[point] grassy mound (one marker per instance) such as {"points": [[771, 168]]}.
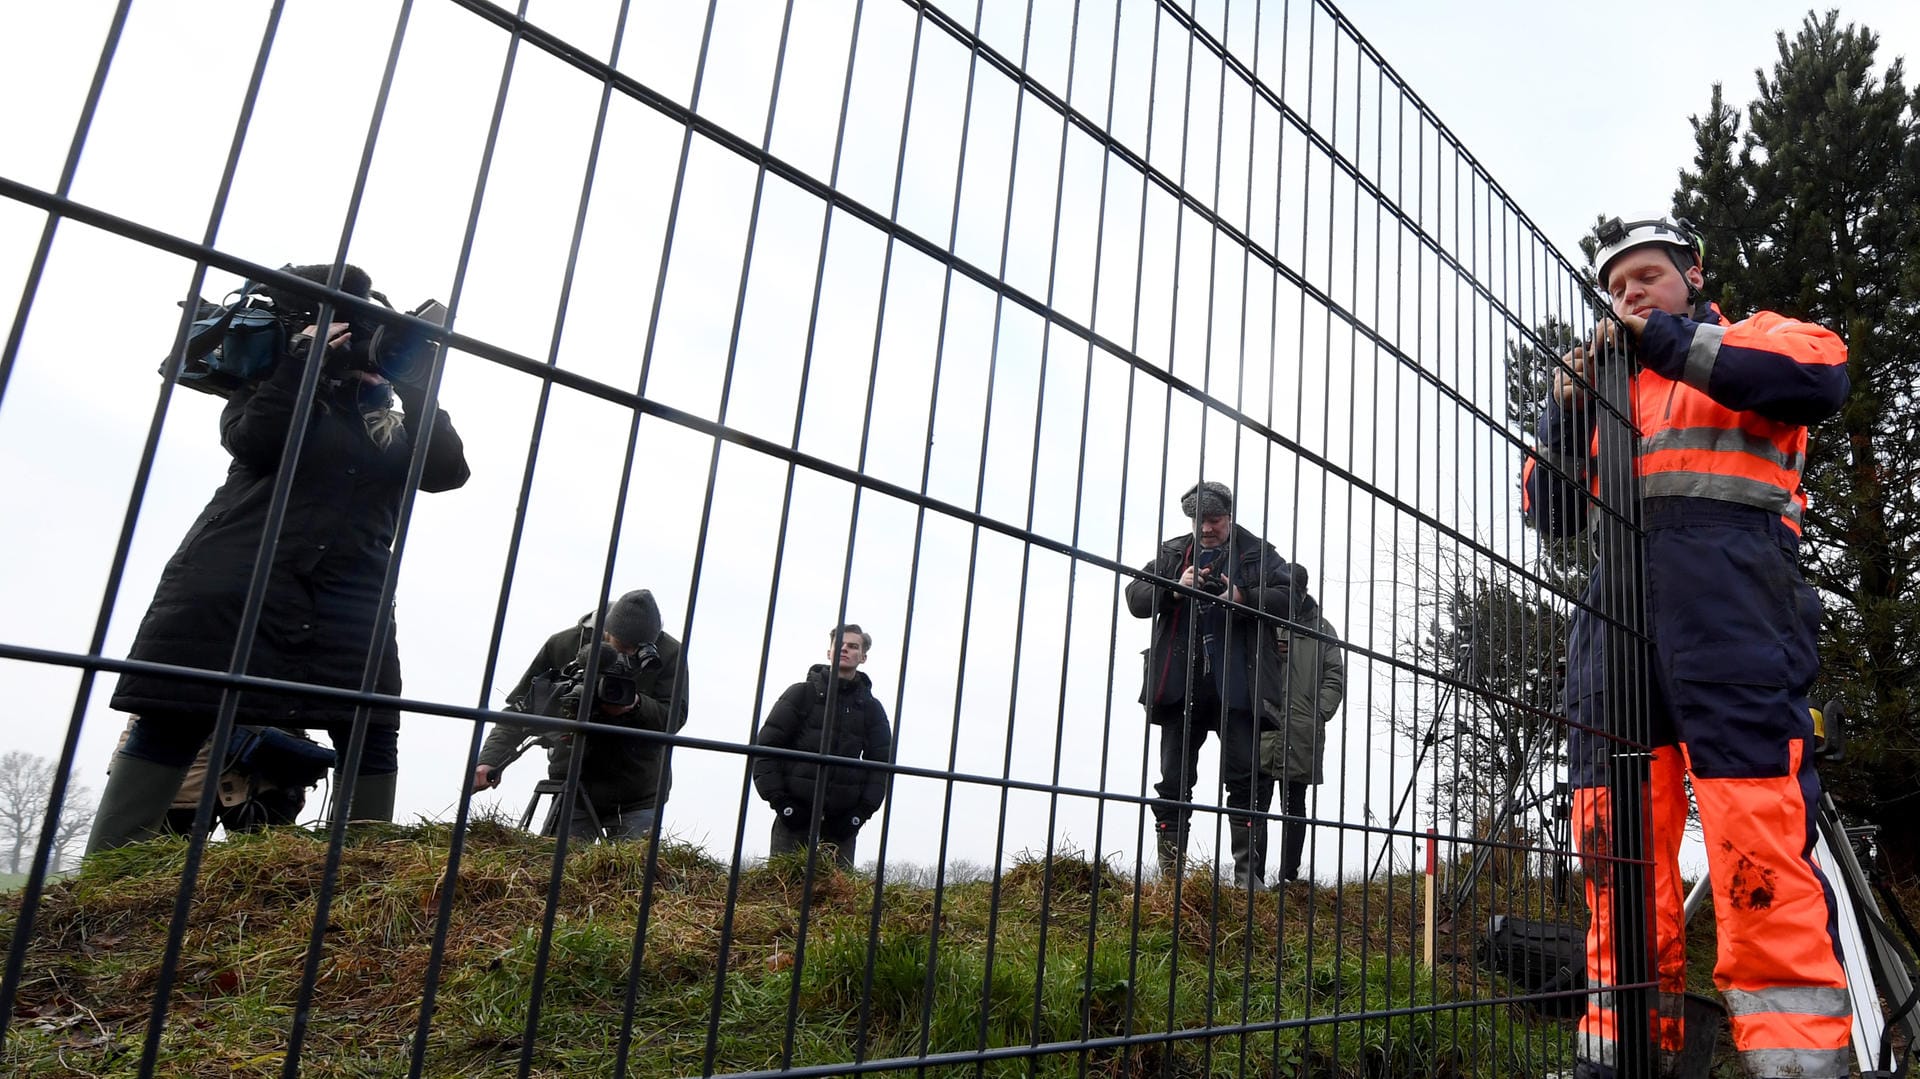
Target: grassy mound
{"points": [[969, 966]]}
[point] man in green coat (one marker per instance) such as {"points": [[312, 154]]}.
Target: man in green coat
{"points": [[1293, 751], [624, 780]]}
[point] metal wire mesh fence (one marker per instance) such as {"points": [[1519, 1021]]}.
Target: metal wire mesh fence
{"points": [[934, 322]]}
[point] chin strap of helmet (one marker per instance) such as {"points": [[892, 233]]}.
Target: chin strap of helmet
{"points": [[1694, 255]]}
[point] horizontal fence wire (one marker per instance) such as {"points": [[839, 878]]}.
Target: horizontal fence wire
{"points": [[1071, 453]]}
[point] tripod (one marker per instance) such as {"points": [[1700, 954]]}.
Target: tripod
{"points": [[550, 824], [1555, 811], [551, 788]]}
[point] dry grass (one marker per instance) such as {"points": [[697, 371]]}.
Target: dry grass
{"points": [[1076, 951]]}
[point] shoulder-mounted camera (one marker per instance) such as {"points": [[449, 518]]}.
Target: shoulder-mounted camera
{"points": [[242, 339], [615, 686]]}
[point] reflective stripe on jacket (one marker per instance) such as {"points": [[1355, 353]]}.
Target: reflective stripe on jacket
{"points": [[1721, 408]]}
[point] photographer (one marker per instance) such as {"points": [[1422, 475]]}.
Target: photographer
{"points": [[641, 684], [1295, 752], [322, 594], [833, 712], [1215, 666]]}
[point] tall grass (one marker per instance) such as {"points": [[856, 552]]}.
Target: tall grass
{"points": [[1130, 979]]}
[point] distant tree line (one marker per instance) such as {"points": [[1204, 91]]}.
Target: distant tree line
{"points": [[26, 781]]}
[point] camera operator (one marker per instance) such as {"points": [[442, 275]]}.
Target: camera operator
{"points": [[642, 684], [1215, 667], [323, 592]]}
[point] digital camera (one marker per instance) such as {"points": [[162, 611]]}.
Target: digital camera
{"points": [[1209, 571], [615, 687]]}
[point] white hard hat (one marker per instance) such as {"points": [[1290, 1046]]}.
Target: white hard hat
{"points": [[1617, 238]]}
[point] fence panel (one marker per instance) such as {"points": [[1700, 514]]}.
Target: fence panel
{"points": [[934, 322]]}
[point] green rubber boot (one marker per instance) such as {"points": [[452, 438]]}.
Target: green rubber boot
{"points": [[135, 801], [373, 797]]}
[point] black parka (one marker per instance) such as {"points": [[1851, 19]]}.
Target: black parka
{"points": [[1270, 584], [323, 592], [859, 729], [619, 772]]}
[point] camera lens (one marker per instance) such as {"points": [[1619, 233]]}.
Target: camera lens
{"points": [[617, 690], [400, 355], [646, 658]]}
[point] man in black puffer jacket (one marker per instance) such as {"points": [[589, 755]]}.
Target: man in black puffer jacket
{"points": [[832, 712]]}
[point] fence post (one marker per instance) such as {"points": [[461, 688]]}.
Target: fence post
{"points": [[1627, 705]]}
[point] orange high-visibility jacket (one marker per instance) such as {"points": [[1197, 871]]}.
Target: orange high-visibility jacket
{"points": [[1722, 411]]}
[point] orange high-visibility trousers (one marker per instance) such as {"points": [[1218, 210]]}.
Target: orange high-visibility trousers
{"points": [[1734, 656], [1664, 800]]}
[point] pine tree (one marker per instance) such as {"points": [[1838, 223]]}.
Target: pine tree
{"points": [[1812, 213]]}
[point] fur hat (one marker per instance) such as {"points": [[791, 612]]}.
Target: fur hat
{"points": [[1206, 498], [634, 618]]}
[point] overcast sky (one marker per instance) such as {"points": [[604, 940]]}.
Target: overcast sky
{"points": [[1577, 110], [1569, 115]]}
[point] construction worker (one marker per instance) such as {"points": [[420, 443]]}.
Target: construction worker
{"points": [[1721, 410]]}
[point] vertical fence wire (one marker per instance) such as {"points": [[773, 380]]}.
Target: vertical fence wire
{"points": [[254, 610], [64, 767]]}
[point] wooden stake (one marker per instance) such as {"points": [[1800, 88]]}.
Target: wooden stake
{"points": [[1432, 842]]}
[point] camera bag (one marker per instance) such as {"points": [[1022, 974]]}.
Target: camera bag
{"points": [[278, 756], [1538, 957]]}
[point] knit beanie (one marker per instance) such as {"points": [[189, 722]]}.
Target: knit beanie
{"points": [[353, 281], [634, 618]]}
